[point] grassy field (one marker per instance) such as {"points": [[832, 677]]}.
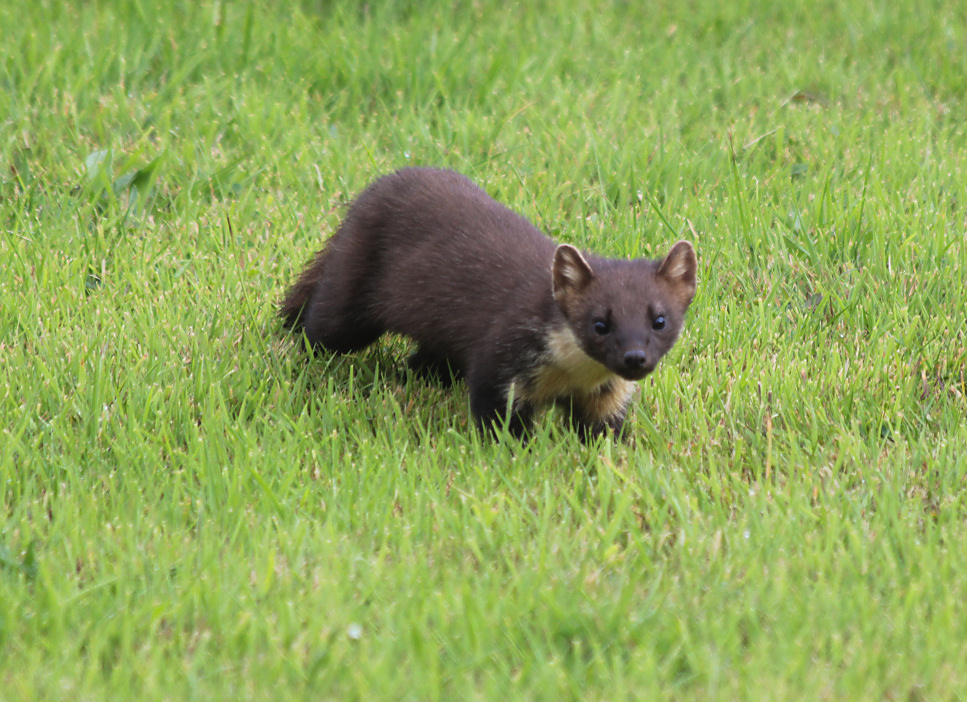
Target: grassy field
{"points": [[192, 510]]}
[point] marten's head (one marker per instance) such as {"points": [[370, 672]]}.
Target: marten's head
{"points": [[625, 314]]}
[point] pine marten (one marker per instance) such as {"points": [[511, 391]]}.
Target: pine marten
{"points": [[487, 297]]}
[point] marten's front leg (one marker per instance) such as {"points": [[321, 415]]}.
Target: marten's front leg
{"points": [[594, 414], [491, 401], [432, 366], [488, 402]]}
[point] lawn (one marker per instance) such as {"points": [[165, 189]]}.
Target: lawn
{"points": [[193, 509]]}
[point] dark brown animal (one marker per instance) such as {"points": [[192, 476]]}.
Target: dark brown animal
{"points": [[486, 296]]}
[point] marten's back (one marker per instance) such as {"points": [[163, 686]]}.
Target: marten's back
{"points": [[438, 259]]}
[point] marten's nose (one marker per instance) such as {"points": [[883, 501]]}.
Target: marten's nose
{"points": [[634, 359]]}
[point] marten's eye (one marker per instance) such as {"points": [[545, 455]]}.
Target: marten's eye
{"points": [[658, 323], [601, 327]]}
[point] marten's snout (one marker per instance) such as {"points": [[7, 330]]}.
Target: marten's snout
{"points": [[635, 365], [634, 360]]}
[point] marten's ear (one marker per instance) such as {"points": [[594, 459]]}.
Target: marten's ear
{"points": [[679, 269], [570, 273]]}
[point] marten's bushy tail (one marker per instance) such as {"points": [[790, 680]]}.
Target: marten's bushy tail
{"points": [[293, 307]]}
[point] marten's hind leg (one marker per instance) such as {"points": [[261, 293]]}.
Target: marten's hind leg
{"points": [[337, 324]]}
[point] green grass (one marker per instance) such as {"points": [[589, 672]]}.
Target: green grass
{"points": [[191, 510]]}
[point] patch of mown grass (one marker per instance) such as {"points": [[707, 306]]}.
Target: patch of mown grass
{"points": [[192, 509]]}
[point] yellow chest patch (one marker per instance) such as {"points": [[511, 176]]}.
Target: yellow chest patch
{"points": [[566, 370]]}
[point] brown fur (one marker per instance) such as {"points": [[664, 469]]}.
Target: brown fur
{"points": [[428, 254]]}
